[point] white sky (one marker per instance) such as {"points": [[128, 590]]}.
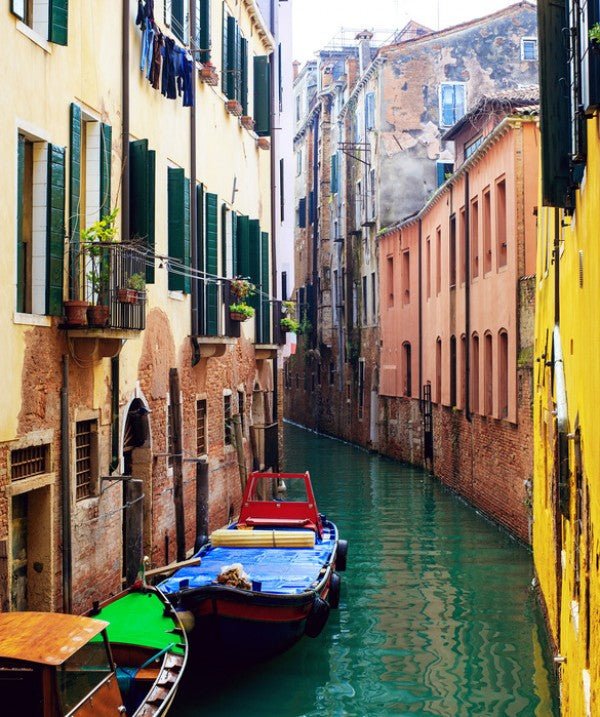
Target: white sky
{"points": [[315, 22]]}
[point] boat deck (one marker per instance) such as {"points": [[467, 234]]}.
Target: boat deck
{"points": [[278, 571]]}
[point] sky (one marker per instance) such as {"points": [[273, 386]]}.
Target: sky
{"points": [[315, 22]]}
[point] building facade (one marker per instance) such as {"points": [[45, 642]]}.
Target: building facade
{"points": [[132, 171], [567, 379]]}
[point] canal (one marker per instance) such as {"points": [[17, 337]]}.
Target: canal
{"points": [[436, 614]]}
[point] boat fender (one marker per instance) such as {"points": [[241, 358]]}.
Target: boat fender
{"points": [[333, 597], [341, 555], [201, 541], [187, 620], [317, 617]]}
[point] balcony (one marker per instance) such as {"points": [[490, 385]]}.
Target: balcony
{"points": [[107, 280], [268, 335]]}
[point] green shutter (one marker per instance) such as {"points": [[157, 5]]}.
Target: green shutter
{"points": [[554, 103], [20, 244], [224, 52], [75, 173], [58, 16], [333, 183], [212, 262], [178, 20], [244, 75], [55, 230], [142, 199], [262, 95], [224, 238], [178, 189], [255, 267], [243, 247], [232, 39], [105, 164], [204, 38], [265, 285], [234, 224]]}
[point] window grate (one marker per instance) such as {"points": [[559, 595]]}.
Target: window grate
{"points": [[83, 458], [241, 409], [30, 461], [201, 427], [227, 419]]}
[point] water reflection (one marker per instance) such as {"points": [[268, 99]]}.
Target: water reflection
{"points": [[435, 617]]}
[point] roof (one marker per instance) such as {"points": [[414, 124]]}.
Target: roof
{"points": [[46, 638], [506, 101]]}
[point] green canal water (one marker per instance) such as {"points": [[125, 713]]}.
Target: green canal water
{"points": [[436, 613]]}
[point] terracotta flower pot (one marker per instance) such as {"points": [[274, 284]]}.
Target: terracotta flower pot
{"points": [[75, 312], [127, 296], [233, 107], [263, 143], [209, 75], [247, 122], [237, 316], [97, 316]]}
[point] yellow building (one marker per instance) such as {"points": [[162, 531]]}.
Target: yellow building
{"points": [[165, 117], [567, 351]]}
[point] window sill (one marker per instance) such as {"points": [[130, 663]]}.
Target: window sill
{"points": [[176, 295], [34, 36], [31, 319]]}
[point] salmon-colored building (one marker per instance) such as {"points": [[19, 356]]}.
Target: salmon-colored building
{"points": [[457, 308]]}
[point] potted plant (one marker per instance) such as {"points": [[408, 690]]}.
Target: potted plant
{"points": [[97, 259], [289, 324], [247, 122], [208, 74], [241, 287], [134, 291], [263, 143], [234, 108], [240, 312], [594, 35]]}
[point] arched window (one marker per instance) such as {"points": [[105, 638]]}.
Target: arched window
{"points": [[488, 376], [407, 368], [453, 370], [463, 371], [475, 373], [438, 370], [503, 374]]}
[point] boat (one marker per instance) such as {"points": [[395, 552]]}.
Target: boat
{"points": [[266, 580], [127, 660]]}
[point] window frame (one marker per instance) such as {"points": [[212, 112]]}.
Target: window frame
{"points": [[456, 116], [533, 40]]}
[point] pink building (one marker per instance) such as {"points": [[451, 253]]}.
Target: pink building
{"points": [[457, 288]]}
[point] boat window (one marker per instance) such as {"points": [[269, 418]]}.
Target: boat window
{"points": [[290, 489], [21, 690], [82, 673]]}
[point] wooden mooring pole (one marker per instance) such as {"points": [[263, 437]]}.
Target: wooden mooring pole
{"points": [[201, 503], [177, 459]]}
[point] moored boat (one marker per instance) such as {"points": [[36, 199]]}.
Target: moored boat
{"points": [[267, 579]]}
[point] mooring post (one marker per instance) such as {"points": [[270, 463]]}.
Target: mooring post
{"points": [[134, 528], [177, 459], [201, 503]]}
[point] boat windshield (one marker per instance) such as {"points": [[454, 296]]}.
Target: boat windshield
{"points": [[82, 673], [291, 490], [21, 689]]}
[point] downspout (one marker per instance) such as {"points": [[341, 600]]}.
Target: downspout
{"points": [[274, 181], [125, 121], [193, 204], [420, 261], [67, 575], [315, 267], [467, 302]]}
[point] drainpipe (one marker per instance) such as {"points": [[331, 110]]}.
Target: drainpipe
{"points": [[193, 205], [125, 121], [467, 303], [420, 261], [67, 577], [315, 267], [275, 182]]}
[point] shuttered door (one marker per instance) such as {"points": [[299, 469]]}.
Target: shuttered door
{"points": [[266, 285], [243, 246], [224, 52], [254, 272], [244, 75], [74, 173], [554, 104], [199, 329], [204, 44], [105, 163], [142, 199], [20, 244], [58, 16], [234, 224], [262, 95], [211, 263], [55, 230], [232, 44], [179, 230]]}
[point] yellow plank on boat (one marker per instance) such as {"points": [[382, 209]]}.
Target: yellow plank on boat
{"points": [[263, 538]]}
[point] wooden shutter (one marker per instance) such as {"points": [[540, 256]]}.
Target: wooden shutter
{"points": [[74, 173], [200, 222], [243, 246], [254, 268], [212, 262], [178, 20], [105, 164], [302, 213], [142, 199], [334, 174], [224, 248], [311, 207], [224, 52], [590, 70], [244, 75], [234, 224], [55, 230], [554, 104], [232, 39], [266, 286], [204, 38], [179, 229], [58, 16], [262, 95], [20, 244]]}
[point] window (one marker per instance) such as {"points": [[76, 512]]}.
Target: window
{"points": [[407, 368], [86, 433], [370, 110], [463, 371], [177, 17], [299, 162], [178, 188], [487, 231], [438, 370], [390, 280], [475, 373], [452, 103], [444, 172], [365, 301], [281, 190], [474, 238], [47, 19], [333, 179], [529, 49], [501, 249], [227, 432], [438, 260], [373, 297], [471, 147], [242, 410], [503, 375], [29, 461], [452, 251], [302, 213], [488, 376], [361, 388], [453, 370], [40, 226], [298, 108], [201, 427], [405, 276], [428, 267], [462, 233], [202, 39]]}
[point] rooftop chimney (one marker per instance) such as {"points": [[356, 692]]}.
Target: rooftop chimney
{"points": [[296, 66], [364, 49]]}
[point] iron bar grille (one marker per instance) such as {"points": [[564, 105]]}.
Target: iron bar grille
{"points": [[201, 427], [241, 402], [227, 419], [30, 461], [84, 434]]}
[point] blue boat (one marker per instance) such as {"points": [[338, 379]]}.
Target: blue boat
{"points": [[267, 579]]}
